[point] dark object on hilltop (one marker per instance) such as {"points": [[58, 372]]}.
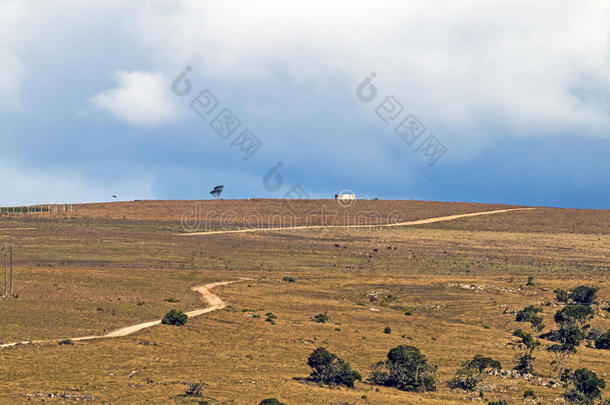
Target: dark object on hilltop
{"points": [[289, 279], [174, 317], [406, 368], [270, 401], [330, 369], [217, 191]]}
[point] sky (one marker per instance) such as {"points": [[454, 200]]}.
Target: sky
{"points": [[503, 102]]}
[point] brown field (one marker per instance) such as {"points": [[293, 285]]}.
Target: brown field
{"points": [[100, 267]]}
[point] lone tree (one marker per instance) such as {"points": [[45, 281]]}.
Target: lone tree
{"points": [[174, 317], [329, 369], [473, 372], [406, 368], [585, 387]]}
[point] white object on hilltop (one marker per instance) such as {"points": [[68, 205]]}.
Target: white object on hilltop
{"points": [[345, 196]]}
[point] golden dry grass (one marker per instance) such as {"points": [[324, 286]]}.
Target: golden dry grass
{"points": [[68, 268]]}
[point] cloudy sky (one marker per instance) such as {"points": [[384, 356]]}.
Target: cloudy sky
{"points": [[511, 100]]}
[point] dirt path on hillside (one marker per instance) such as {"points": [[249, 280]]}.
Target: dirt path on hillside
{"points": [[408, 223], [214, 301]]}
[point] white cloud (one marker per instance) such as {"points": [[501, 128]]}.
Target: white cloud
{"points": [[24, 186], [140, 98], [518, 63]]}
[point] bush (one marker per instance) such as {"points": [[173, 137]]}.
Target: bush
{"points": [[500, 402], [529, 394], [174, 317], [584, 294], [330, 369], [289, 279], [586, 387], [194, 389], [529, 314], [473, 372], [530, 281], [603, 342], [387, 330], [270, 401], [173, 300], [406, 368], [321, 318]]}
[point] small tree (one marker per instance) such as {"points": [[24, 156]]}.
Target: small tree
{"points": [[406, 368], [330, 369], [586, 387], [603, 341], [561, 354], [574, 315], [473, 372], [584, 294], [525, 365], [174, 317]]}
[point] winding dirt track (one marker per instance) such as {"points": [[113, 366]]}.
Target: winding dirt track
{"points": [[408, 223], [214, 301]]}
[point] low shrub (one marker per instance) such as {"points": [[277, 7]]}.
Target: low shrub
{"points": [[321, 318], [174, 317], [270, 401], [603, 341]]}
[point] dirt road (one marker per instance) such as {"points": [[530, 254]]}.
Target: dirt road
{"points": [[408, 223], [214, 301]]}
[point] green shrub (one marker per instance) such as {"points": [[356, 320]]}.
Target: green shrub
{"points": [[529, 394], [289, 279], [173, 300], [500, 402], [473, 372], [585, 387], [270, 401], [603, 342], [194, 389], [529, 314], [329, 369], [174, 317], [584, 294], [574, 314], [321, 318], [406, 368], [387, 330], [562, 296]]}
